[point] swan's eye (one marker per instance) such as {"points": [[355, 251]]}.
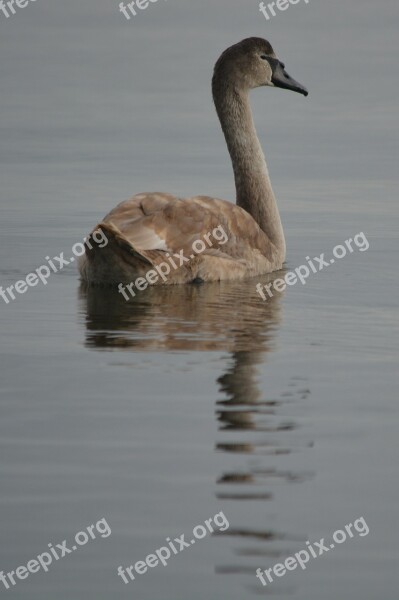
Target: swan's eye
{"points": [[264, 57]]}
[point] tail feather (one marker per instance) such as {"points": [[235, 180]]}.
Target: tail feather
{"points": [[117, 261]]}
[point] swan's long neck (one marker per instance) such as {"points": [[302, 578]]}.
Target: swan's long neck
{"points": [[253, 186]]}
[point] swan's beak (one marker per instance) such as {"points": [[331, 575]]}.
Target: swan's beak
{"points": [[281, 79]]}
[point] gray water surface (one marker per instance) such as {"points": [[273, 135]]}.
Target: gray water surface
{"points": [[157, 413]]}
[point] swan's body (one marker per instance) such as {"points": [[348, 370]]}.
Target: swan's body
{"points": [[149, 227]]}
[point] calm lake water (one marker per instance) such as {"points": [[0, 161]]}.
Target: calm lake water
{"points": [[157, 413]]}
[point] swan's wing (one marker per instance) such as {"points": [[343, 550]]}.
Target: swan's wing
{"points": [[148, 229], [158, 221]]}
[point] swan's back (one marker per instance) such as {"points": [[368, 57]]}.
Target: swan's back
{"points": [[143, 230]]}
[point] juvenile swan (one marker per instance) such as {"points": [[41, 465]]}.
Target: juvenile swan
{"points": [[238, 241]]}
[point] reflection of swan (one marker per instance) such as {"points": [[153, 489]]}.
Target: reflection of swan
{"points": [[226, 316], [143, 230], [253, 433]]}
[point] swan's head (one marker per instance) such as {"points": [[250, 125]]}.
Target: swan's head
{"points": [[252, 63]]}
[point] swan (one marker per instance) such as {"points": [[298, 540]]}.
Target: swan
{"points": [[150, 228]]}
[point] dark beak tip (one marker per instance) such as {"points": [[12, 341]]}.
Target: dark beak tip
{"points": [[282, 79]]}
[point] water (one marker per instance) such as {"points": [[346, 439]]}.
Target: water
{"points": [[158, 413]]}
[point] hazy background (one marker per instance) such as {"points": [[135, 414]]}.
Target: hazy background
{"points": [[156, 414]]}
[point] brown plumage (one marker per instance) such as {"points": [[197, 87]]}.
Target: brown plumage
{"points": [[151, 227]]}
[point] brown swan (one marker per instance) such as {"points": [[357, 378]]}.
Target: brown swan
{"points": [[151, 228]]}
